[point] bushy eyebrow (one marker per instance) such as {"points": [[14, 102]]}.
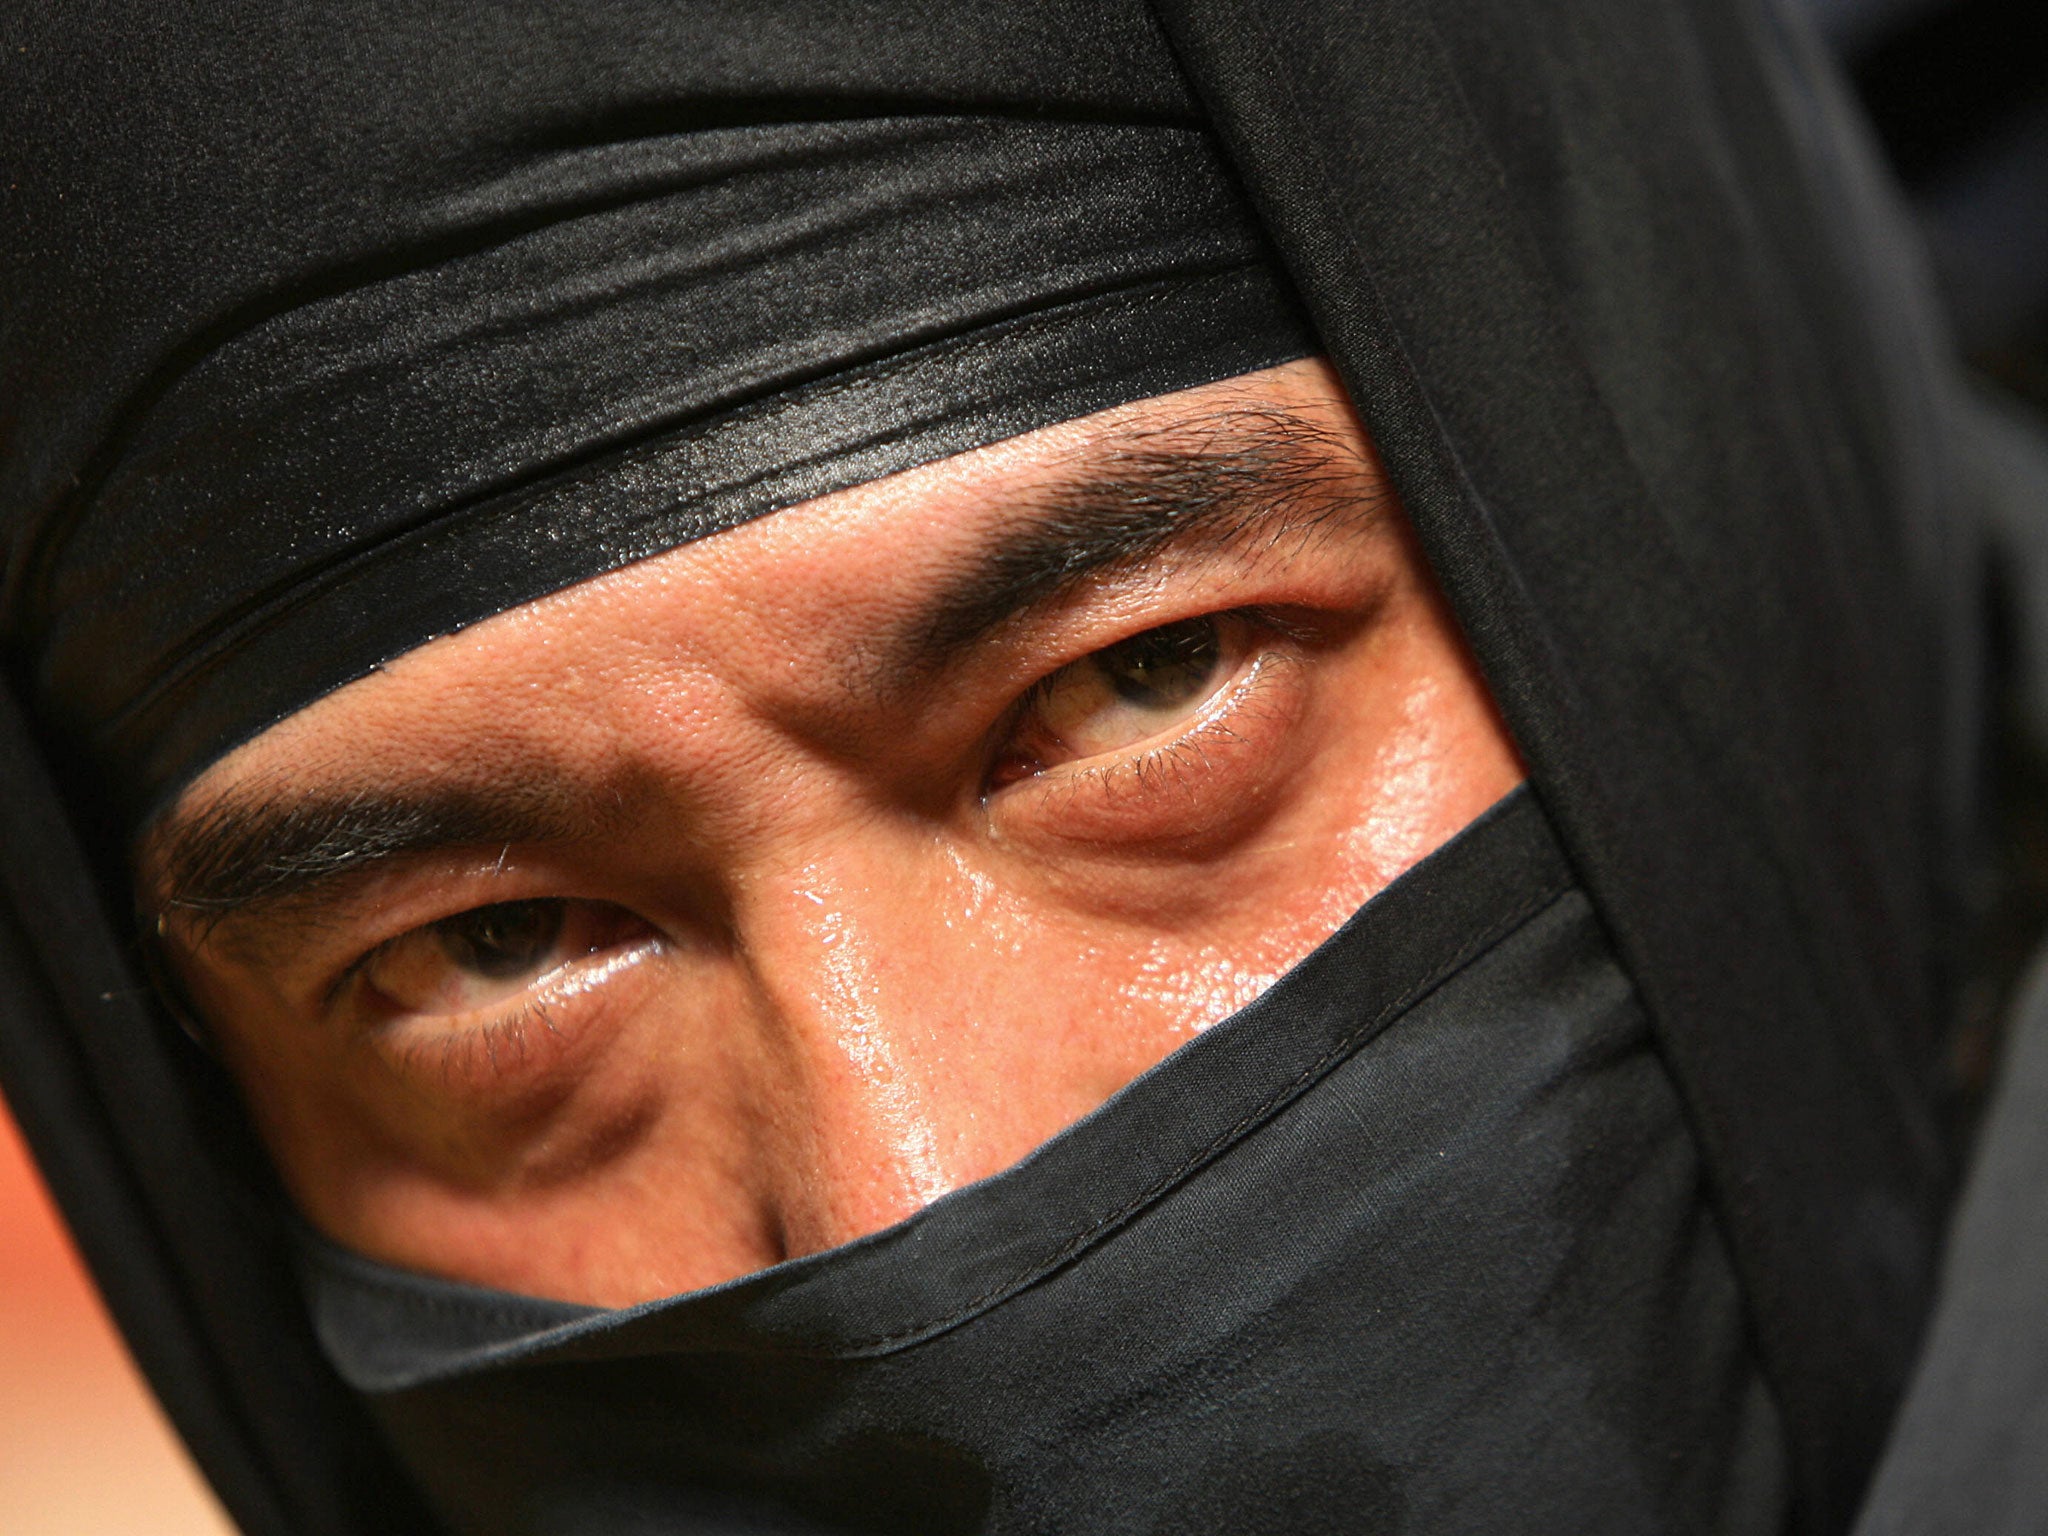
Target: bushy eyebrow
{"points": [[269, 845], [1245, 477], [1257, 476]]}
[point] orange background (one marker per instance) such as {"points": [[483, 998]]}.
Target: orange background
{"points": [[84, 1451]]}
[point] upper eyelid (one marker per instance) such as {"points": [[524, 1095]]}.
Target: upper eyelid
{"points": [[1196, 557], [1259, 615], [261, 934], [357, 971]]}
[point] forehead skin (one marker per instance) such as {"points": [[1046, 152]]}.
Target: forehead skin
{"points": [[871, 976]]}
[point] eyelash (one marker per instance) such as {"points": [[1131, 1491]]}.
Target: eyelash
{"points": [[1213, 722], [454, 1049]]}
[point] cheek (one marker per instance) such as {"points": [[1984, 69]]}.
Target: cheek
{"points": [[1442, 755], [652, 1152], [1415, 753], [1409, 788]]}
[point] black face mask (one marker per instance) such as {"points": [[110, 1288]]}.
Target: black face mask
{"points": [[1416, 1242]]}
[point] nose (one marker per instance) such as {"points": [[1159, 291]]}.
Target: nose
{"points": [[854, 958], [932, 1017]]}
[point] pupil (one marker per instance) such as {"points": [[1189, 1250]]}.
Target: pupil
{"points": [[1164, 666], [504, 940]]}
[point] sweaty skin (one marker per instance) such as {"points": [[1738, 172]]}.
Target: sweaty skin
{"points": [[822, 880]]}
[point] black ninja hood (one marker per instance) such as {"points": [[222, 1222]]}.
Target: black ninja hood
{"points": [[1600, 278]]}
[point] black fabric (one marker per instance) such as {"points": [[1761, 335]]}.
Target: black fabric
{"points": [[1630, 319], [1644, 344], [551, 350], [1416, 1242], [165, 1194], [1969, 1452]]}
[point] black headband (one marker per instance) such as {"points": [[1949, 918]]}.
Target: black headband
{"points": [[596, 353]]}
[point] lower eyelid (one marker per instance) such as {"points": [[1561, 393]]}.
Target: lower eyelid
{"points": [[518, 1045], [1213, 720], [481, 1054]]}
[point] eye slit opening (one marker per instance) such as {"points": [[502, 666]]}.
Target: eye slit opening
{"points": [[503, 940], [1135, 690], [484, 956], [1160, 668]]}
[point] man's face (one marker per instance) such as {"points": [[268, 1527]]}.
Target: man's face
{"points": [[739, 902]]}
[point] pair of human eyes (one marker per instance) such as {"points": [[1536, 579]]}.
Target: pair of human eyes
{"points": [[1095, 714]]}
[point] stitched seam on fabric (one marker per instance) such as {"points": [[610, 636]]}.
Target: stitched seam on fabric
{"points": [[457, 1306], [1348, 1043]]}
